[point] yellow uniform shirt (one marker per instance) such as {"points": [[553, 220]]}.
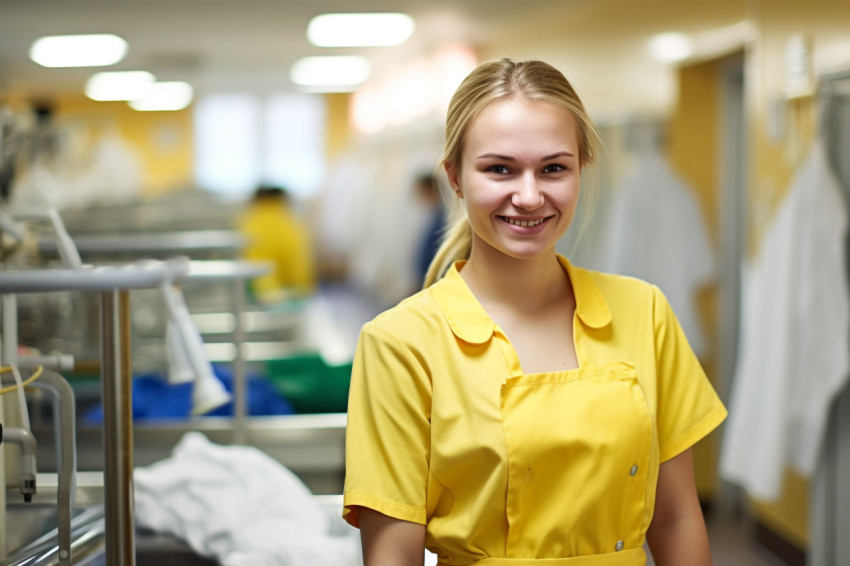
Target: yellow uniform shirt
{"points": [[505, 468], [275, 234]]}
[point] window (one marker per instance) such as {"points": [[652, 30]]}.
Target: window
{"points": [[242, 140]]}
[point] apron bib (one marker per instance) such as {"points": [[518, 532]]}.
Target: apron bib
{"points": [[579, 446]]}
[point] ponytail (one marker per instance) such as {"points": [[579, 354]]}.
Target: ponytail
{"points": [[456, 244]]}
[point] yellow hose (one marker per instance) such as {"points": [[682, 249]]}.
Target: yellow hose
{"points": [[29, 380]]}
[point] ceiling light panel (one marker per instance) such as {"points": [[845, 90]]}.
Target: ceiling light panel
{"points": [[670, 47], [89, 50], [360, 30], [330, 73], [165, 96], [120, 85]]}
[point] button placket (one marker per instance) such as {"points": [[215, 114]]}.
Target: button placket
{"points": [[620, 544]]}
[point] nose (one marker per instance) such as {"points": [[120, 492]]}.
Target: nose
{"points": [[527, 194]]}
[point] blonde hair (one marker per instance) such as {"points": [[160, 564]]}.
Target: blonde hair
{"points": [[488, 82]]}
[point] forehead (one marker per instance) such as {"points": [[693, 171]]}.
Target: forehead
{"points": [[522, 122]]}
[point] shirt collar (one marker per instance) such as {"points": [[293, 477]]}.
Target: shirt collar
{"points": [[470, 322], [591, 306], [465, 315]]}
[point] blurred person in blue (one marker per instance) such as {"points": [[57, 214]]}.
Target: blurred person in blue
{"points": [[275, 233], [428, 192]]}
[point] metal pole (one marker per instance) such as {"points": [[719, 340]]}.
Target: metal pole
{"points": [[240, 397], [64, 415], [117, 428]]}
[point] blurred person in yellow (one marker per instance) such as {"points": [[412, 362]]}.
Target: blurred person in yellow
{"points": [[275, 233]]}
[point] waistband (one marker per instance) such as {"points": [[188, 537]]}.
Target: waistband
{"points": [[630, 557]]}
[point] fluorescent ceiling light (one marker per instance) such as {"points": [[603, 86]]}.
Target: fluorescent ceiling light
{"points": [[360, 30], [670, 47], [328, 73], [120, 85], [165, 96], [93, 50]]}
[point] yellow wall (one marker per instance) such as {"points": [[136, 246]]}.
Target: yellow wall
{"points": [[163, 141], [693, 136], [692, 148], [337, 125]]}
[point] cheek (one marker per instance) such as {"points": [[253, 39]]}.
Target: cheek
{"points": [[482, 200], [570, 192]]}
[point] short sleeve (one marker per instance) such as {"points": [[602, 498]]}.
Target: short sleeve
{"points": [[688, 407], [388, 430]]}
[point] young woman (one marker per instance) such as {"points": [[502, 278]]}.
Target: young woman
{"points": [[520, 410]]}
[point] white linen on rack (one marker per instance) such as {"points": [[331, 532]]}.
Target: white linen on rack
{"points": [[657, 233], [238, 505], [795, 331]]}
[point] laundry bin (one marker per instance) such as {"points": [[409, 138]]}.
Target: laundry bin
{"points": [[310, 384]]}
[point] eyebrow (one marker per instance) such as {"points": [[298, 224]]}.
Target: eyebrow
{"points": [[509, 158]]}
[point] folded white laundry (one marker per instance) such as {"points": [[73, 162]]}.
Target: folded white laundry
{"points": [[239, 506]]}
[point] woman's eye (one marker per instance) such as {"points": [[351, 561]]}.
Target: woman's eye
{"points": [[553, 168], [498, 169]]}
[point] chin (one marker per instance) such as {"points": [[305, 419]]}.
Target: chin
{"points": [[528, 252], [517, 250]]}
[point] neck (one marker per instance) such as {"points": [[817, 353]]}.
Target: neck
{"points": [[528, 284]]}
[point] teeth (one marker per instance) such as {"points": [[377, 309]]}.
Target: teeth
{"points": [[524, 223]]}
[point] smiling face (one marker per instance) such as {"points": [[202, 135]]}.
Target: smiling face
{"points": [[519, 177]]}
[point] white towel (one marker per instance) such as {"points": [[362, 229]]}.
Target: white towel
{"points": [[240, 506]]}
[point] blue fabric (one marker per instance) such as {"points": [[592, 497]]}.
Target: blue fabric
{"points": [[154, 398], [430, 243]]}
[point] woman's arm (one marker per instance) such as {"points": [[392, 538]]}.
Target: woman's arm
{"points": [[677, 534], [390, 542]]}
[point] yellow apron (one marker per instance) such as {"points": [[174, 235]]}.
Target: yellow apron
{"points": [[561, 429]]}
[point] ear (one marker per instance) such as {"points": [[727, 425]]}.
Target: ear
{"points": [[452, 173]]}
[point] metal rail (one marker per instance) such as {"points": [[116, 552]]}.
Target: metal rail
{"points": [[117, 428]]}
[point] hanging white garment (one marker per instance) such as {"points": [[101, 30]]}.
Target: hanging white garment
{"points": [[795, 330], [657, 233]]}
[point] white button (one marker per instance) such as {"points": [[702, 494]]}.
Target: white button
{"points": [[619, 545], [634, 470]]}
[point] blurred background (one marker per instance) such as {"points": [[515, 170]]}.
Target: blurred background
{"points": [[227, 137]]}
